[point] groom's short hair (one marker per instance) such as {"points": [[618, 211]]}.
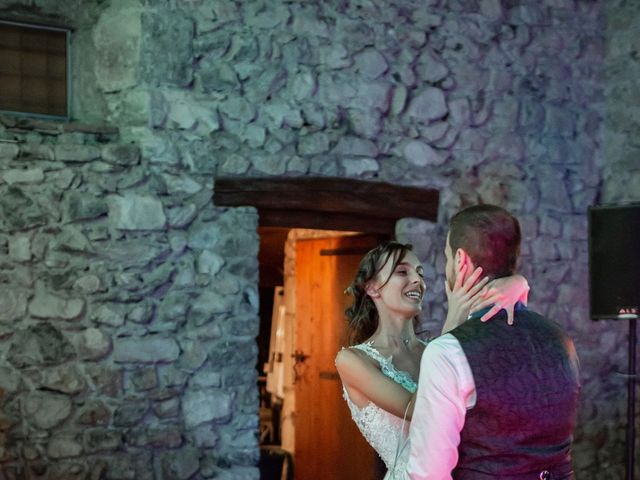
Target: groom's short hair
{"points": [[491, 237]]}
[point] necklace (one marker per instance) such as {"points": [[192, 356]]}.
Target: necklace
{"points": [[405, 342]]}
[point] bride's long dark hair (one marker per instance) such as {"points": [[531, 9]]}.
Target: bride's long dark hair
{"points": [[362, 316]]}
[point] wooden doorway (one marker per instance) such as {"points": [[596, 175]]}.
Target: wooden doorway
{"points": [[328, 444], [325, 437]]}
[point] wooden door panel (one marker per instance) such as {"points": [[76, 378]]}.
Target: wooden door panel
{"points": [[328, 444]]}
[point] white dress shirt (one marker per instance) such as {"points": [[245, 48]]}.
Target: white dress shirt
{"points": [[446, 391]]}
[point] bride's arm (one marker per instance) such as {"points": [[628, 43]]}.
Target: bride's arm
{"points": [[364, 382]]}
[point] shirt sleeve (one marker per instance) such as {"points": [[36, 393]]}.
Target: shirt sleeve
{"points": [[445, 391]]}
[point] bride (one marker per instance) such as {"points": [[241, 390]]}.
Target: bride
{"points": [[380, 369]]}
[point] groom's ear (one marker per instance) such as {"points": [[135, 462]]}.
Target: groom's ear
{"points": [[461, 258]]}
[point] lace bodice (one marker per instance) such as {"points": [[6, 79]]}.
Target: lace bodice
{"points": [[388, 368], [384, 431]]}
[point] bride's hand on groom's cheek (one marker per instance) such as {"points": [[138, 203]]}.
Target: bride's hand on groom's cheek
{"points": [[466, 291]]}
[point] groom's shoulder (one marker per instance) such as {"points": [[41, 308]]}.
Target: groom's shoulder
{"points": [[442, 345], [538, 319], [442, 350], [524, 319]]}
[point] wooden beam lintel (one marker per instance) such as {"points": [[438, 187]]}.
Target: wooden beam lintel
{"points": [[329, 195], [325, 221]]}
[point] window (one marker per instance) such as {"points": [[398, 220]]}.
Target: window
{"points": [[34, 69]]}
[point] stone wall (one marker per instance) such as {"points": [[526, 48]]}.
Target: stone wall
{"points": [[619, 163], [127, 314], [134, 298], [621, 151]]}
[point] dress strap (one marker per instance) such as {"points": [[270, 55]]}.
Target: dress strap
{"points": [[371, 351], [387, 367]]}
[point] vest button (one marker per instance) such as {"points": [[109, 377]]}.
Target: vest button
{"points": [[545, 475]]}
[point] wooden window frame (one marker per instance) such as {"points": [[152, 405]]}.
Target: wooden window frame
{"points": [[67, 32]]}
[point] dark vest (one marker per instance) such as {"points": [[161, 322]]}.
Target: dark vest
{"points": [[527, 384]]}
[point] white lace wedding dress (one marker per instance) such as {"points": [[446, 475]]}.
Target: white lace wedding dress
{"points": [[385, 432]]}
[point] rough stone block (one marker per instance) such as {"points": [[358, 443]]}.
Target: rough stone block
{"points": [[335, 56], [127, 154], [420, 154], [136, 212], [20, 248], [428, 105], [168, 37], [181, 216], [117, 55], [110, 315], [313, 144], [303, 85], [8, 151], [94, 413], [205, 436], [398, 100], [359, 166], [255, 135], [353, 146], [76, 153], [164, 437], [64, 446], [372, 95], [66, 379], [47, 305], [237, 108], [367, 123], [102, 440], [32, 175], [431, 67], [39, 345], [130, 413], [149, 349], [201, 406], [46, 410], [370, 63], [270, 164]]}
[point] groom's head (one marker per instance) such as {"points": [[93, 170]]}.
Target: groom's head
{"points": [[482, 236]]}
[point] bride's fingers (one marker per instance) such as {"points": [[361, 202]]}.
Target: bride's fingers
{"points": [[460, 277], [470, 282], [478, 288], [493, 311], [490, 291], [483, 300], [481, 303], [495, 298]]}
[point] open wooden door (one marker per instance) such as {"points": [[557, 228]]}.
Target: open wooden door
{"points": [[328, 445]]}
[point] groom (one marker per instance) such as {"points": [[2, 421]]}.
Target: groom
{"points": [[494, 401]]}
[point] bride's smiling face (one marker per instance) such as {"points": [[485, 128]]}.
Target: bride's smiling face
{"points": [[400, 289]]}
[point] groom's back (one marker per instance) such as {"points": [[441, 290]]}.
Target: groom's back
{"points": [[526, 379]]}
